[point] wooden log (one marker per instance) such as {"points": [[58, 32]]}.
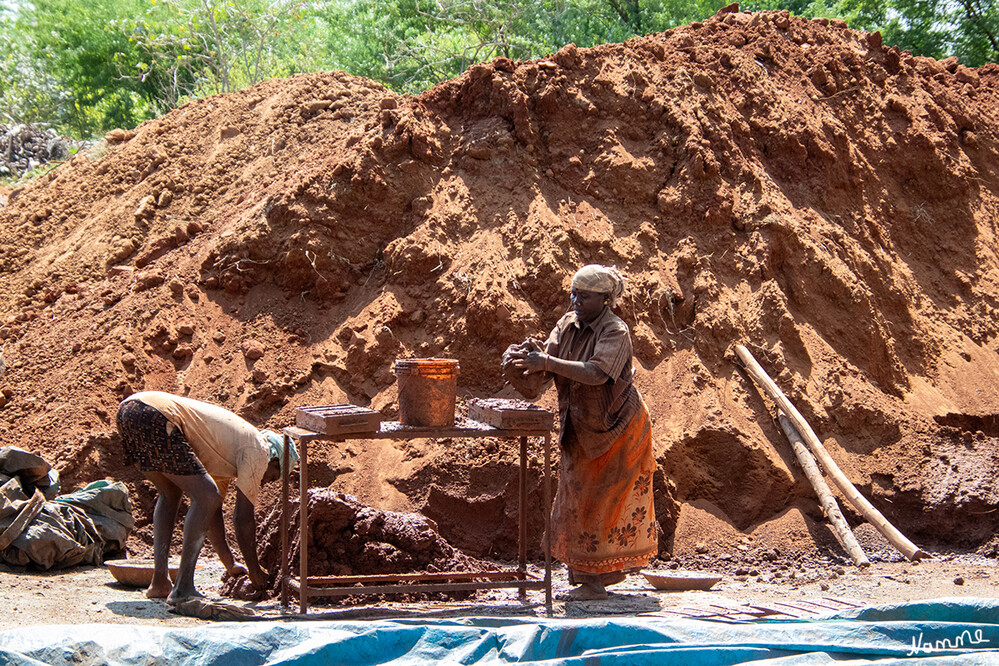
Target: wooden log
{"points": [[826, 499], [873, 516]]}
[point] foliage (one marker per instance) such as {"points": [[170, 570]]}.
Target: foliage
{"points": [[204, 47], [27, 88], [912, 25], [968, 29], [85, 66], [412, 44], [71, 41], [976, 37]]}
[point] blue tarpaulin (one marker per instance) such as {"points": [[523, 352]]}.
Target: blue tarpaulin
{"points": [[943, 631]]}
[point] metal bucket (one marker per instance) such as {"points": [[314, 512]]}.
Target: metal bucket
{"points": [[427, 391]]}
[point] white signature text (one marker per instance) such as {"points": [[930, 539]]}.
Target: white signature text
{"points": [[965, 638]]}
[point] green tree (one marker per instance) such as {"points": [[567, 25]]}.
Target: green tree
{"points": [[115, 63], [976, 39], [413, 44], [918, 26], [968, 29], [76, 48], [28, 93], [201, 47]]}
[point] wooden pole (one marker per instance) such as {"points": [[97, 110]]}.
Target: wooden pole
{"points": [[285, 518], [303, 526], [522, 515], [826, 499], [873, 516], [547, 499]]}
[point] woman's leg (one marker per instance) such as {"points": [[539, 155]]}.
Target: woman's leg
{"points": [[603, 514], [205, 502], [164, 516]]}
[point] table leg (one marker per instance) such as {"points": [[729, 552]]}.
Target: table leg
{"points": [[522, 512], [303, 528], [284, 523], [548, 523]]}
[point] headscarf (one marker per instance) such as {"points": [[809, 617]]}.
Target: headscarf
{"points": [[602, 279], [275, 443]]}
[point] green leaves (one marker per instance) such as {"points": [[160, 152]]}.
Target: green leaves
{"points": [[71, 48], [119, 62], [412, 44], [976, 41], [87, 66]]}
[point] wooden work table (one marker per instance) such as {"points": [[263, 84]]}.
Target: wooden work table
{"points": [[317, 586]]}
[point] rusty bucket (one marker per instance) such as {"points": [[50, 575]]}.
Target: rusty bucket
{"points": [[427, 391]]}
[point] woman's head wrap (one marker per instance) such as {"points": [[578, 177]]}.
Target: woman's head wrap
{"points": [[602, 279], [275, 443]]}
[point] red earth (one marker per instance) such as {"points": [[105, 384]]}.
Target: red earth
{"points": [[787, 184]]}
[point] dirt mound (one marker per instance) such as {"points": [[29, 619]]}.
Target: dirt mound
{"points": [[348, 538], [788, 184]]}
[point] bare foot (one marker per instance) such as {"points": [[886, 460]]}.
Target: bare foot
{"points": [[158, 589], [586, 592], [177, 596]]}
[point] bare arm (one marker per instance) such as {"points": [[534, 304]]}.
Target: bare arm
{"points": [[246, 536], [216, 535], [583, 372]]}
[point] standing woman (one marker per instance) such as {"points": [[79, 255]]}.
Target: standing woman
{"points": [[603, 519]]}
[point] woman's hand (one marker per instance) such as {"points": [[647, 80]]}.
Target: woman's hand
{"points": [[517, 373], [529, 361], [533, 344], [528, 357]]}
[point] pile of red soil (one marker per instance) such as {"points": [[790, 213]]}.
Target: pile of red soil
{"points": [[348, 538], [792, 185]]}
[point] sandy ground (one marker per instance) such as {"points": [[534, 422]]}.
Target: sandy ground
{"points": [[91, 595]]}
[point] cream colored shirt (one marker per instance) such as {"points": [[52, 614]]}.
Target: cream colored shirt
{"points": [[227, 445]]}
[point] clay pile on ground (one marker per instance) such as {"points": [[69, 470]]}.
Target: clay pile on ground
{"points": [[792, 185], [348, 538]]}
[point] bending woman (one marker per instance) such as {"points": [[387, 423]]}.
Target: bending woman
{"points": [[603, 519]]}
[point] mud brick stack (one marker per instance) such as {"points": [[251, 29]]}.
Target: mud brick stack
{"points": [[338, 419], [510, 414]]}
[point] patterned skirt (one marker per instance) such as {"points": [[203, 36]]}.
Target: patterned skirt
{"points": [[153, 443], [603, 519]]}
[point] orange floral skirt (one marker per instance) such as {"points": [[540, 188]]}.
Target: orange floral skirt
{"points": [[603, 519]]}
